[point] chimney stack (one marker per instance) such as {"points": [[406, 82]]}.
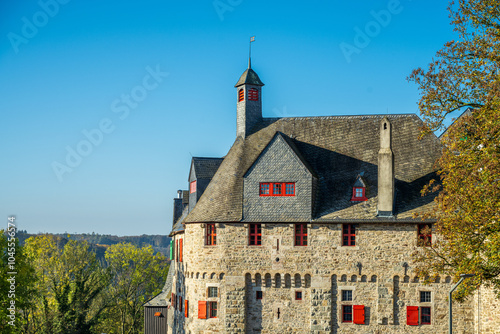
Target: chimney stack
{"points": [[178, 207], [385, 171]]}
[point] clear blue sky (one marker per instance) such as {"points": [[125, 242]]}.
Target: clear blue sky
{"points": [[68, 67]]}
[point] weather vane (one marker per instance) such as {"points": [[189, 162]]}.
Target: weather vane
{"points": [[252, 39]]}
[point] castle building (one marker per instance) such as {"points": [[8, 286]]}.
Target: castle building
{"points": [[307, 225]]}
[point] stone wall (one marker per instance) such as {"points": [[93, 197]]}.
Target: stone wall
{"points": [[486, 311], [374, 270]]}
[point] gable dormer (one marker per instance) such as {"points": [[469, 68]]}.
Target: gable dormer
{"points": [[359, 190], [249, 102], [200, 174], [279, 186]]}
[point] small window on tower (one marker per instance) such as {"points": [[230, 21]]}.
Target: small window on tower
{"points": [[192, 187], [241, 95], [253, 94]]}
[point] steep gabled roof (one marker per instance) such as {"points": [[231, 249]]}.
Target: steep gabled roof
{"points": [[205, 168], [249, 77], [337, 149], [291, 146]]}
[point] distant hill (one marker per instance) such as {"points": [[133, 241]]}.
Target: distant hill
{"points": [[160, 243]]}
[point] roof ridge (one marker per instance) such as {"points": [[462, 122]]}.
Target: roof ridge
{"points": [[345, 116]]}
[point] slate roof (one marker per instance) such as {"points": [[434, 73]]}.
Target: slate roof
{"points": [[161, 298], [205, 168], [249, 77], [178, 227], [337, 149]]}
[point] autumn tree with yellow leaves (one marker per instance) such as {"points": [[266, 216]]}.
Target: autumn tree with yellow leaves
{"points": [[465, 75]]}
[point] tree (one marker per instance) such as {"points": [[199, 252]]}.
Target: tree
{"points": [[18, 287], [465, 74], [138, 275], [70, 284]]}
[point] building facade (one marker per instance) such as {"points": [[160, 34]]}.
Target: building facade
{"points": [[307, 225]]}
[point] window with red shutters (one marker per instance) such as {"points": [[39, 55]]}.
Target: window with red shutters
{"points": [[277, 189], [180, 250], [359, 314], [211, 235], [425, 315], [255, 235], [186, 308], [176, 250], [241, 95], [192, 187], [424, 234], [300, 234], [346, 313], [202, 309], [253, 94], [348, 235], [412, 315]]}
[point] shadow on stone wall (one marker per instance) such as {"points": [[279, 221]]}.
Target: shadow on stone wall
{"points": [[335, 320], [253, 307]]}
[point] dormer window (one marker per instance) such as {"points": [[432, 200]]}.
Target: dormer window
{"points": [[358, 194], [253, 94], [241, 95], [359, 190]]}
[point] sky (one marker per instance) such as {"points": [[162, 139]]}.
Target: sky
{"points": [[105, 102]]}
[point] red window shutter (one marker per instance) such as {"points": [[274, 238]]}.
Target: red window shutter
{"points": [[202, 310], [412, 315], [180, 250], [186, 308], [359, 314], [173, 301]]}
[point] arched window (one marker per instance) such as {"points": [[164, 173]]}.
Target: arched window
{"points": [[241, 95], [253, 94]]}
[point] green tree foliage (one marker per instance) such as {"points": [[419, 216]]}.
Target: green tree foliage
{"points": [[70, 284], [23, 283], [137, 276], [464, 74]]}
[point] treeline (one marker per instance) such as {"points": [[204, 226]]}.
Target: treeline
{"points": [[160, 243], [53, 285]]}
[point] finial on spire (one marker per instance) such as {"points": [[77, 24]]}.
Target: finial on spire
{"points": [[252, 39]]}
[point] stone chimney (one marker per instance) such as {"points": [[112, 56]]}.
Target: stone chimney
{"points": [[178, 207], [385, 171]]}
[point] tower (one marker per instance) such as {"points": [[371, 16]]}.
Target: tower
{"points": [[249, 101]]}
